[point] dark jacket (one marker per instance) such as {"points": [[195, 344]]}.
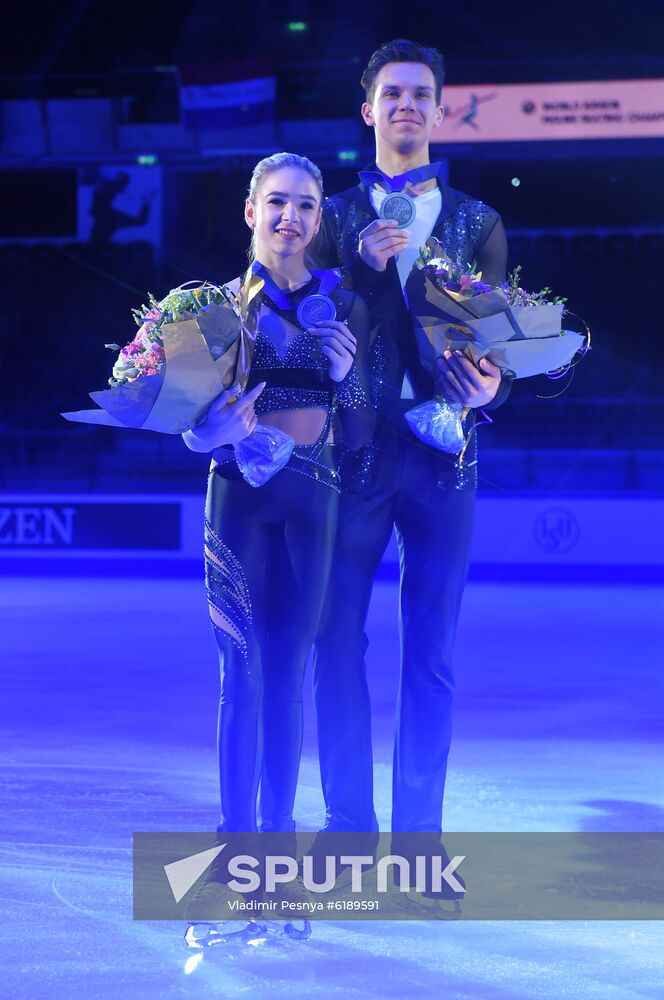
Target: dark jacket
{"points": [[470, 231]]}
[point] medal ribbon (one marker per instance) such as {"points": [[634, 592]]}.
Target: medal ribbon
{"points": [[398, 183], [328, 279], [242, 303]]}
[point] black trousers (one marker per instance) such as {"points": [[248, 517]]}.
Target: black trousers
{"points": [[268, 553], [434, 529]]}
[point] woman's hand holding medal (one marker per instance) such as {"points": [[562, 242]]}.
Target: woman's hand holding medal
{"points": [[337, 344]]}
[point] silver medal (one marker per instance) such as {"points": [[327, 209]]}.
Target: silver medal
{"points": [[315, 309], [400, 207]]}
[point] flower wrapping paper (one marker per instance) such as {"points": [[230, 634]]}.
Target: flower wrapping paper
{"points": [[522, 340], [204, 354]]}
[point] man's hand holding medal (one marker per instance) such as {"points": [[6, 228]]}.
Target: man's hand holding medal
{"points": [[388, 235], [381, 240]]}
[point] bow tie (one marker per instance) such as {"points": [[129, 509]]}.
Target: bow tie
{"points": [[398, 183]]}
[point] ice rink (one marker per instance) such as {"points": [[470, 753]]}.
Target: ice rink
{"points": [[108, 723]]}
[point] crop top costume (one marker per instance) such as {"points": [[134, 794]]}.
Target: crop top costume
{"points": [[268, 552], [296, 372]]}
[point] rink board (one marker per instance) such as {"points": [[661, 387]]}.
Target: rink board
{"points": [[168, 529]]}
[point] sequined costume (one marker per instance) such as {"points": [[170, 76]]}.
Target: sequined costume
{"points": [[268, 553], [469, 231], [397, 481]]}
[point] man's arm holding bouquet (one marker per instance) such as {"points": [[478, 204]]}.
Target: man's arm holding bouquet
{"points": [[471, 385], [483, 385], [469, 330]]}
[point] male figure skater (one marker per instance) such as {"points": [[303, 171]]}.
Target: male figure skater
{"points": [[397, 480]]}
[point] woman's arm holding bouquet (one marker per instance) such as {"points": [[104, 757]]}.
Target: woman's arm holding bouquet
{"points": [[229, 420]]}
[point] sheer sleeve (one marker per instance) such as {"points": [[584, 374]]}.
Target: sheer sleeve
{"points": [[356, 413], [492, 251], [323, 251], [331, 249], [492, 262]]}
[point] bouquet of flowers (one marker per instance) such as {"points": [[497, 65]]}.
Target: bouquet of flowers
{"points": [[190, 347], [519, 331]]}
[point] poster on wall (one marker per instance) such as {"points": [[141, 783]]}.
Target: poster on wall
{"points": [[518, 112], [119, 204]]}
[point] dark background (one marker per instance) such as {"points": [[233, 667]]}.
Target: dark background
{"points": [[586, 219]]}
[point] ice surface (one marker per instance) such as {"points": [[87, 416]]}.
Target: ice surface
{"points": [[108, 721]]}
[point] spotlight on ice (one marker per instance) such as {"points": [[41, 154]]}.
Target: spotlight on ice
{"points": [[192, 963]]}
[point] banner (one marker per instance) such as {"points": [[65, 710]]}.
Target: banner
{"points": [[227, 95], [611, 109], [566, 531], [67, 525]]}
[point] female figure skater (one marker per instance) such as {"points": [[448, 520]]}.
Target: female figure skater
{"points": [[268, 549]]}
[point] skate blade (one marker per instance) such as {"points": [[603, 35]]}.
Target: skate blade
{"points": [[297, 933], [299, 930], [208, 935]]}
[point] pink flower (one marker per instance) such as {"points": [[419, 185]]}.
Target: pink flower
{"points": [[149, 362], [137, 345]]}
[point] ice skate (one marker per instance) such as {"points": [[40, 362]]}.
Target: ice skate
{"points": [[430, 902], [200, 934], [288, 907], [294, 930]]}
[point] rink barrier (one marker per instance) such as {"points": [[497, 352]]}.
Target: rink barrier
{"points": [[530, 537]]}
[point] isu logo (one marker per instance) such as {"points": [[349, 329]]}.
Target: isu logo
{"points": [[557, 530]]}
